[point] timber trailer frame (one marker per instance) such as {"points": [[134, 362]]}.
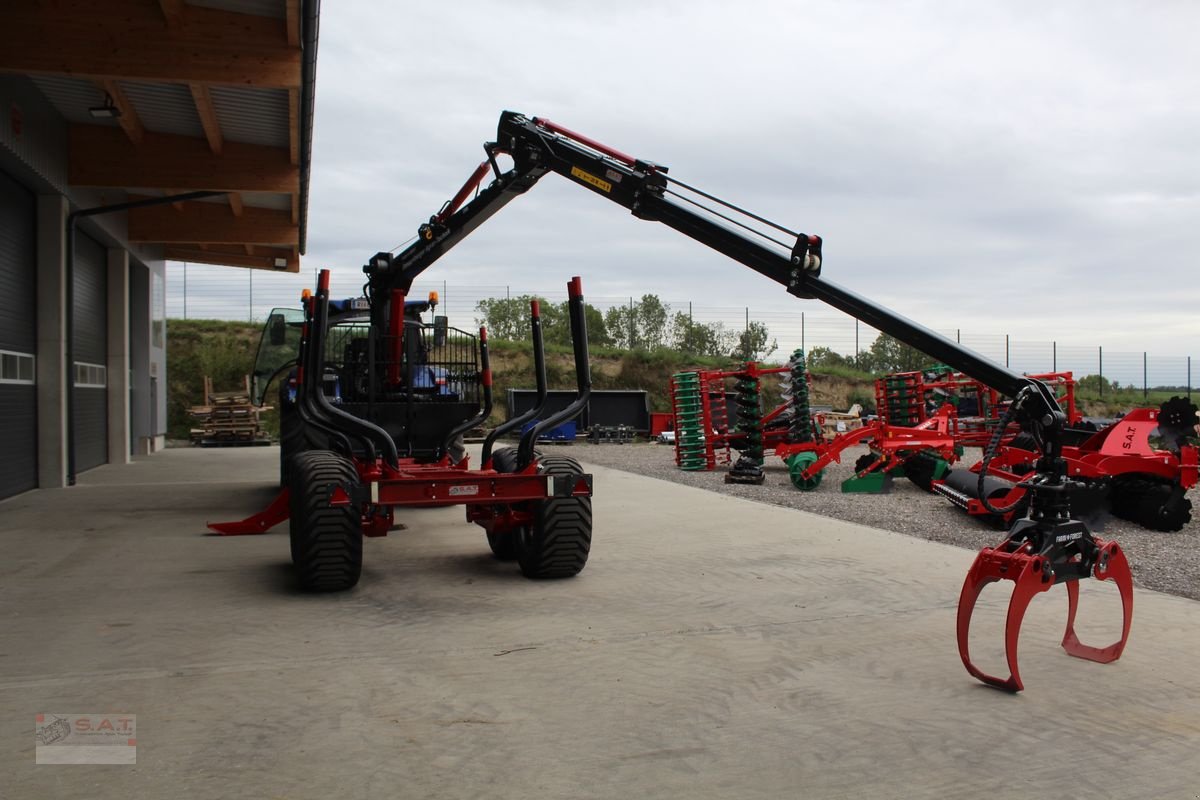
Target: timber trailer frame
{"points": [[1045, 548], [535, 510]]}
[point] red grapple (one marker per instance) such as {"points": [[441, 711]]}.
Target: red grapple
{"points": [[1034, 573]]}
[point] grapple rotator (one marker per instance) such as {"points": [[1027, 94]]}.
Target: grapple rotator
{"points": [[1043, 549]]}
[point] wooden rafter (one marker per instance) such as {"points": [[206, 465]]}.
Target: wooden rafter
{"points": [[263, 258], [100, 156], [212, 223], [129, 120], [235, 203], [172, 10], [294, 125], [293, 23], [208, 117], [126, 39]]}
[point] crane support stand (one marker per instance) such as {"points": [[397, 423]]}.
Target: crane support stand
{"points": [[749, 467]]}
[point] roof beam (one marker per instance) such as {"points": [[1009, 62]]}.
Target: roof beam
{"points": [[102, 156], [128, 120], [262, 259], [172, 10], [208, 117], [293, 23], [126, 39], [294, 125], [235, 203], [211, 223]]}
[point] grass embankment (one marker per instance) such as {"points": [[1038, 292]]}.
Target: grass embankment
{"points": [[225, 351]]}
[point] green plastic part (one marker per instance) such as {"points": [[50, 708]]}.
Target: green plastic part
{"points": [[871, 483], [797, 464]]}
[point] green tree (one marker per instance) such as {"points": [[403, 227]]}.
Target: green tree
{"points": [[698, 338], [891, 355], [755, 343], [508, 318], [641, 325], [824, 357]]}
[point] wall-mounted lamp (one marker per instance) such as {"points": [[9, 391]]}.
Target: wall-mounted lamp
{"points": [[280, 263], [107, 111]]}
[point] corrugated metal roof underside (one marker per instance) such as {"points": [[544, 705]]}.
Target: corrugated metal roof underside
{"points": [[253, 116], [72, 97], [164, 107]]}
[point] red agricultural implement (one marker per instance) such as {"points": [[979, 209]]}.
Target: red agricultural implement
{"points": [[391, 447], [1139, 468], [910, 398]]}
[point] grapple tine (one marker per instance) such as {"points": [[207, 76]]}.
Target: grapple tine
{"points": [[1111, 565], [991, 565]]}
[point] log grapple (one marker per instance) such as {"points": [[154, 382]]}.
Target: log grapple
{"points": [[1044, 548]]}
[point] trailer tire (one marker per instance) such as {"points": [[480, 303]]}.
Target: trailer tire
{"points": [[504, 545], [326, 539], [558, 543]]}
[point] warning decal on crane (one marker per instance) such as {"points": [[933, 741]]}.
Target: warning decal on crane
{"points": [[588, 178]]}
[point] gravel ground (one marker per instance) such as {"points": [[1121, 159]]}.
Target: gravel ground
{"points": [[1165, 562]]}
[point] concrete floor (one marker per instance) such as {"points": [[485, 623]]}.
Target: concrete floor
{"points": [[712, 648]]}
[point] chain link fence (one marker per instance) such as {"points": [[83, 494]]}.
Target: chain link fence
{"points": [[199, 291]]}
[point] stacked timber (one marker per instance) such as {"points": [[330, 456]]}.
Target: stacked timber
{"points": [[227, 419]]}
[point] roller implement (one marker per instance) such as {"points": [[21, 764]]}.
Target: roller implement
{"points": [[1139, 468], [343, 491]]}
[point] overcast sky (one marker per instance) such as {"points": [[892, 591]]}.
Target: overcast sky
{"points": [[1030, 168]]}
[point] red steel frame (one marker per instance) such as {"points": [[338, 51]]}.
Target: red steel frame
{"points": [[488, 495], [1120, 449]]}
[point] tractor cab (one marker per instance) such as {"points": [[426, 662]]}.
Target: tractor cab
{"points": [[417, 379]]}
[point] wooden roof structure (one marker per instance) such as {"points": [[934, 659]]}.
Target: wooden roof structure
{"points": [[208, 95]]}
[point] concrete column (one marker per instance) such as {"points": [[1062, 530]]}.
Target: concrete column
{"points": [[118, 356], [52, 364]]}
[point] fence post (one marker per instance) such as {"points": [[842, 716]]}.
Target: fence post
{"points": [[251, 273], [958, 335], [805, 349], [631, 334], [185, 290], [1006, 349], [1100, 352], [1054, 356], [1189, 383], [856, 342], [1145, 376]]}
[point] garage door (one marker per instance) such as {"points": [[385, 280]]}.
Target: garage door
{"points": [[18, 338], [89, 343]]}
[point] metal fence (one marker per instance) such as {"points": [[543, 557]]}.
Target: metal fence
{"points": [[206, 292]]}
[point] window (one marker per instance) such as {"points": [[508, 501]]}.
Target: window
{"points": [[16, 368], [90, 376]]}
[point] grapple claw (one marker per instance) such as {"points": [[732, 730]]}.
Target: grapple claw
{"points": [[1030, 572], [1112, 565]]}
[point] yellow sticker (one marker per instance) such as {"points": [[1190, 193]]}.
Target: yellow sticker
{"points": [[603, 186]]}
